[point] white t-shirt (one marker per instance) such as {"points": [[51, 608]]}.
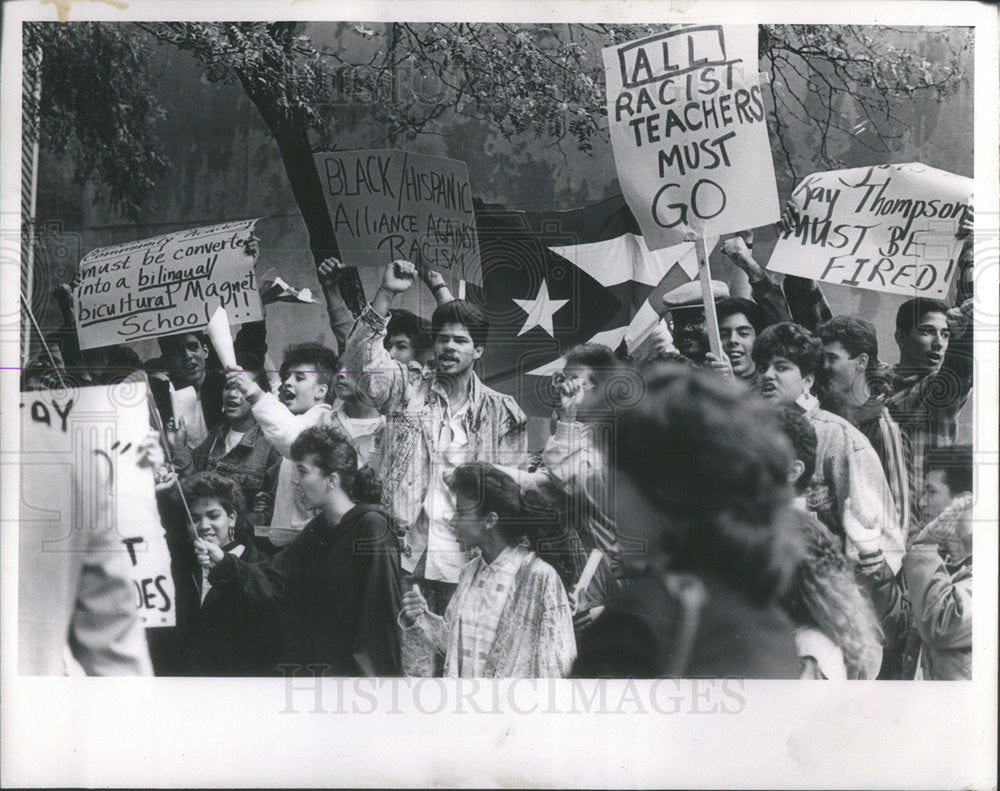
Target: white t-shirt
{"points": [[445, 556], [233, 438], [364, 434]]}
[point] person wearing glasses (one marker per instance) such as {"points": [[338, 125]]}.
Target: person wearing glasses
{"points": [[510, 616], [686, 322]]}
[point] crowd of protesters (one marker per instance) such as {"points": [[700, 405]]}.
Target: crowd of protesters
{"points": [[790, 508]]}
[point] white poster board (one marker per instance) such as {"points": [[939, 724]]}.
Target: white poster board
{"points": [[79, 472], [166, 285], [889, 228], [689, 132], [387, 204]]}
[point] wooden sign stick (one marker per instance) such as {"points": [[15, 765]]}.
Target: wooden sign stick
{"points": [[708, 298]]}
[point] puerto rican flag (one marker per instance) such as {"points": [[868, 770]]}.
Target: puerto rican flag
{"points": [[554, 279]]}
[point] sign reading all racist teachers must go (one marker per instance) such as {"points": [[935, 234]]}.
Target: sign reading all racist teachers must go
{"points": [[387, 204], [166, 285], [890, 228], [689, 133]]}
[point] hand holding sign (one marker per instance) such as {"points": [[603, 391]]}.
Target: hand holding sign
{"points": [[244, 383], [208, 554]]}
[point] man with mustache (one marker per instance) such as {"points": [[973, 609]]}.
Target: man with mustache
{"points": [[687, 325], [434, 423]]}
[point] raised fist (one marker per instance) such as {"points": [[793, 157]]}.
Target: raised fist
{"points": [[331, 271], [399, 276]]}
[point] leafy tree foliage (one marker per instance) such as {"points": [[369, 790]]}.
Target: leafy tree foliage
{"points": [[843, 83]]}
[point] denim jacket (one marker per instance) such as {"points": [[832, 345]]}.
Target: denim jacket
{"points": [[414, 404], [252, 462]]}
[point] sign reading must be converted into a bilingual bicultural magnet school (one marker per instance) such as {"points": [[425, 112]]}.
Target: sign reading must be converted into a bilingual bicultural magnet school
{"points": [[166, 285], [689, 133]]}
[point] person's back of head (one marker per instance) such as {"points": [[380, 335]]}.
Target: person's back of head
{"points": [[825, 595], [802, 437], [663, 357], [715, 464], [595, 356]]}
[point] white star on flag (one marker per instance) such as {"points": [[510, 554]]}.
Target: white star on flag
{"points": [[540, 310], [621, 259]]}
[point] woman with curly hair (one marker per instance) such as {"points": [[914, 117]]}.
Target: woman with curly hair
{"points": [[788, 359], [837, 634], [231, 628], [509, 617]]}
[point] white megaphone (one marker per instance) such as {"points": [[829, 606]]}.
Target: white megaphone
{"points": [[222, 338]]}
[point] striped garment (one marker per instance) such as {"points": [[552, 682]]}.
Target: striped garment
{"points": [[874, 421], [927, 414], [480, 609]]}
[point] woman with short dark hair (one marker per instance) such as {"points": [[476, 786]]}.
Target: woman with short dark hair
{"points": [[342, 571], [509, 617]]}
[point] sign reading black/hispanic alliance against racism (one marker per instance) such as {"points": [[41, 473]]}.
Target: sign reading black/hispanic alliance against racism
{"points": [[166, 285], [890, 228], [387, 204], [689, 133]]}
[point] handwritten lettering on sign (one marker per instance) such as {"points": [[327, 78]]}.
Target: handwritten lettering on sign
{"points": [[79, 472], [166, 285], [388, 204], [890, 228], [689, 132]]}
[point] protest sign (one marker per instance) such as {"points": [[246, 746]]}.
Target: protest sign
{"points": [[83, 493], [387, 204], [689, 133], [889, 228], [166, 285]]}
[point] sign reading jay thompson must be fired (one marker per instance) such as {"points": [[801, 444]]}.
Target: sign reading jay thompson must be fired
{"points": [[890, 228]]}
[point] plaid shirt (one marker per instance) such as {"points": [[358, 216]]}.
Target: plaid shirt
{"points": [[927, 408]]}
